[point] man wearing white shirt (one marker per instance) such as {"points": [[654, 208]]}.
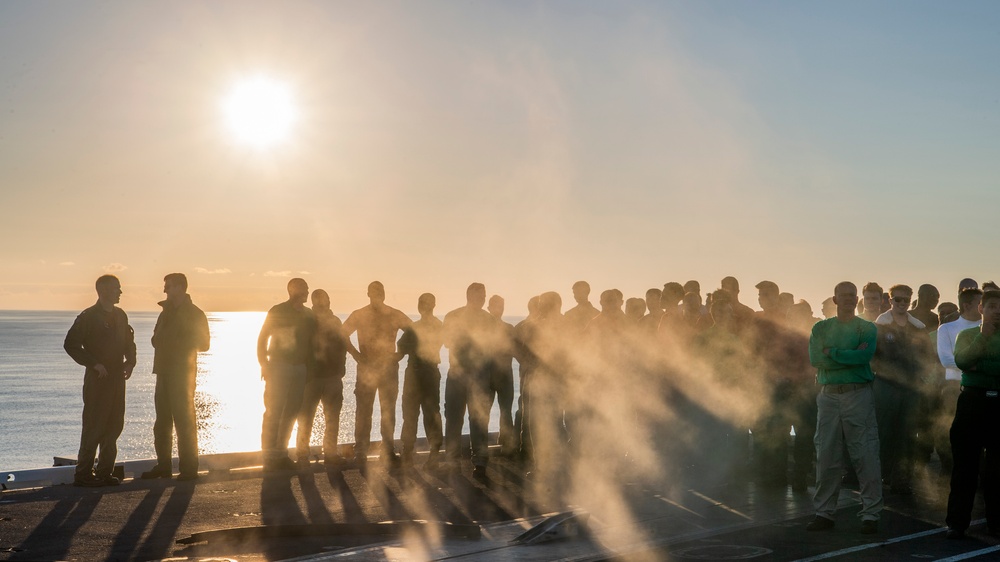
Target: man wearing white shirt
{"points": [[970, 317]]}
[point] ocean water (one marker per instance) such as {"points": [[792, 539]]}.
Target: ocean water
{"points": [[41, 390]]}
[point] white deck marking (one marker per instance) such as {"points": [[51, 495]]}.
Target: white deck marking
{"points": [[860, 547], [677, 505], [717, 503], [972, 554]]}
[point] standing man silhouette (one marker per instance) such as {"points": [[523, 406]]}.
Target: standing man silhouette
{"points": [[422, 341], [841, 348], [285, 354], [974, 429], [377, 326], [469, 335], [325, 383], [102, 341], [181, 332]]}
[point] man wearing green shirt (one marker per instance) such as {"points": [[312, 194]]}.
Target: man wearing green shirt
{"points": [[977, 417], [841, 349]]}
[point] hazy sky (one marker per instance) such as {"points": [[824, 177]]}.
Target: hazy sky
{"points": [[525, 145]]}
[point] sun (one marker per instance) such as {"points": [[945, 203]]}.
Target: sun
{"points": [[260, 111]]}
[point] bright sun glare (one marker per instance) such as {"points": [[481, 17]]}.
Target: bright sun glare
{"points": [[260, 111]]}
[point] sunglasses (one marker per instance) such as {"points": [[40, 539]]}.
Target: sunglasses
{"points": [[900, 300]]}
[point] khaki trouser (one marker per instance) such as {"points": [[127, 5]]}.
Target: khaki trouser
{"points": [[103, 421], [847, 418]]}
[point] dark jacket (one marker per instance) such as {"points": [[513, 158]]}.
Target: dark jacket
{"points": [[181, 332], [330, 348], [99, 337], [422, 341], [470, 334], [287, 336]]}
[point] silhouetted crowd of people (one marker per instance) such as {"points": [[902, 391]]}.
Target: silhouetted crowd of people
{"points": [[673, 381]]}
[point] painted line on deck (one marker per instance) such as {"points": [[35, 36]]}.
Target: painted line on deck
{"points": [[677, 505], [860, 547], [717, 503], [972, 554]]}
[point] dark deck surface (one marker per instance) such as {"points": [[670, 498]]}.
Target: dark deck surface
{"points": [[685, 519]]}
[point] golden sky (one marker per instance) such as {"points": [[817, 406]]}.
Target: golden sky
{"points": [[525, 146]]}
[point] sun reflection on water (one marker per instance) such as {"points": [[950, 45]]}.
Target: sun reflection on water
{"points": [[228, 399]]}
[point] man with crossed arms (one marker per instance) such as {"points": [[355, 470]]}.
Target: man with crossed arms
{"points": [[841, 348]]}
